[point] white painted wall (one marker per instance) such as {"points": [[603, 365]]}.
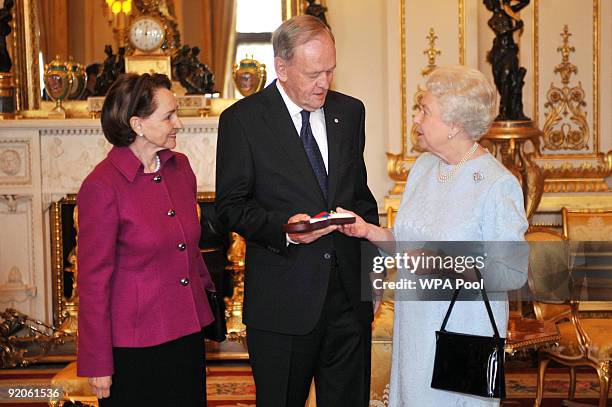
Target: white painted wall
{"points": [[368, 45], [360, 29]]}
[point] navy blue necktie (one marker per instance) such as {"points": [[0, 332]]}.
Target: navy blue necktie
{"points": [[313, 152]]}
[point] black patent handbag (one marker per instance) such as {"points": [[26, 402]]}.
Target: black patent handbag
{"points": [[217, 330], [470, 364]]}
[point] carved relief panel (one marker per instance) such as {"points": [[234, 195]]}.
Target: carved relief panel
{"points": [[17, 260], [68, 155], [15, 162]]}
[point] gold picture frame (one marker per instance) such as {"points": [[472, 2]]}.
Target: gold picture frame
{"points": [[63, 242]]}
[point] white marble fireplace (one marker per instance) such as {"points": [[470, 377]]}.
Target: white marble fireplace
{"points": [[42, 161]]}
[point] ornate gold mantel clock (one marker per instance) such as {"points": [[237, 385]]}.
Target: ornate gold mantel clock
{"points": [[151, 38]]}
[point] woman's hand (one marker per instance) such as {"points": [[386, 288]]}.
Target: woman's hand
{"points": [[357, 229], [100, 386]]}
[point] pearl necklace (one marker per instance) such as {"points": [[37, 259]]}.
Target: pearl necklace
{"points": [[442, 177], [157, 163]]}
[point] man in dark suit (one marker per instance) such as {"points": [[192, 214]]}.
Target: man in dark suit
{"points": [[284, 154]]}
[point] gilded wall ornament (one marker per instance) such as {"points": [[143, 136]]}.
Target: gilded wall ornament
{"points": [[397, 168], [585, 177], [432, 53], [565, 124], [414, 138]]}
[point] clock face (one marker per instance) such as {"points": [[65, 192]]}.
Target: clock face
{"points": [[146, 34]]}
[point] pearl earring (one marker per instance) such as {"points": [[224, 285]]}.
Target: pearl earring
{"points": [[450, 136], [141, 134]]}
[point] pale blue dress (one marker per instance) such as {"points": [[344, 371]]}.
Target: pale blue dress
{"points": [[483, 202]]}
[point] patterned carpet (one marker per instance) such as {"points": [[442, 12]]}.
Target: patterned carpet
{"points": [[523, 385], [232, 386]]}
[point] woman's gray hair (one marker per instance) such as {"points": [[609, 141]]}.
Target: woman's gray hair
{"points": [[295, 32], [466, 98]]}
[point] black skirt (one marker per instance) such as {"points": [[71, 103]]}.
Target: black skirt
{"points": [[170, 374]]}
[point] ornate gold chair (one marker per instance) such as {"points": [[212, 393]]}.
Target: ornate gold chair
{"points": [[587, 224], [584, 336]]}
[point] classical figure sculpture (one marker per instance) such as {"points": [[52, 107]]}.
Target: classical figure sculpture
{"points": [[109, 74], [120, 66], [193, 75], [509, 77], [206, 79], [180, 65], [5, 29], [316, 10]]}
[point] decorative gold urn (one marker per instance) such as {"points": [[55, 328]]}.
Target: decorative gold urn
{"points": [[58, 84], [79, 80], [249, 76]]}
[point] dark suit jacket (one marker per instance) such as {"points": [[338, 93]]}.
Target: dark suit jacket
{"points": [[263, 178]]}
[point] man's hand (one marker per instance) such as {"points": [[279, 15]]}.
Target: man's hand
{"points": [[309, 237], [100, 386]]}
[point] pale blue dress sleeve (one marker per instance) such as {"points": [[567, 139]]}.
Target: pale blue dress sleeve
{"points": [[504, 227]]}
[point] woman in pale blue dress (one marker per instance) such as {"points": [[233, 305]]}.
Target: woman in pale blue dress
{"points": [[456, 191]]}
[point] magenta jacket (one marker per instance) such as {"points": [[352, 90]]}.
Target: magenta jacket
{"points": [[141, 277]]}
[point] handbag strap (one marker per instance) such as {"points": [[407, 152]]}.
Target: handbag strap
{"points": [[485, 299]]}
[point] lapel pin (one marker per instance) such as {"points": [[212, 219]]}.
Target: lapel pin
{"points": [[478, 176], [335, 120]]}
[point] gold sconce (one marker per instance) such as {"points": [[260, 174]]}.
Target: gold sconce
{"points": [[117, 13]]}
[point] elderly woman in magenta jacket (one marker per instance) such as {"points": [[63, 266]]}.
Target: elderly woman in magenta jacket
{"points": [[142, 278]]}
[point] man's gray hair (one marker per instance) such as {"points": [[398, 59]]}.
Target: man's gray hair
{"points": [[295, 32], [466, 98]]}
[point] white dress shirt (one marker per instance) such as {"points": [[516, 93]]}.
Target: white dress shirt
{"points": [[317, 123]]}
